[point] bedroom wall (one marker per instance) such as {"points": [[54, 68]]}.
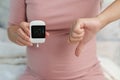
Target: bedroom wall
{"points": [[107, 39]]}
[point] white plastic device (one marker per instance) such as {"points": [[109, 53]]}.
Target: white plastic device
{"points": [[37, 31]]}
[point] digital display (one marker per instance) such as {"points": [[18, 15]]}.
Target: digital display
{"points": [[38, 31]]}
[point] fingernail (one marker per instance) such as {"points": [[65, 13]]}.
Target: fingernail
{"points": [[77, 55]]}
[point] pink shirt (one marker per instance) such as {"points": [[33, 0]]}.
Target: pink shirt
{"points": [[56, 58]]}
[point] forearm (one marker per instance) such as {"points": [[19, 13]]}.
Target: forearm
{"points": [[110, 14]]}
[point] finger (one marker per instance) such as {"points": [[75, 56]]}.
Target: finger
{"points": [[47, 34], [74, 35], [75, 40], [22, 34], [19, 43], [78, 31], [79, 27], [25, 27], [24, 42], [79, 49]]}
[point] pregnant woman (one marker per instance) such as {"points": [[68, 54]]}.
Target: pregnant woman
{"points": [[69, 52]]}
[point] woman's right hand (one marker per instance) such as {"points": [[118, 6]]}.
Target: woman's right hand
{"points": [[20, 34]]}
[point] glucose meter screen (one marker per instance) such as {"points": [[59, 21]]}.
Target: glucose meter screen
{"points": [[38, 31]]}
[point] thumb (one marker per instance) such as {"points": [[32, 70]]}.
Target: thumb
{"points": [[79, 48], [47, 34]]}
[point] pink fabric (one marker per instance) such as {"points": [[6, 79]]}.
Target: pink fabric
{"points": [[55, 59], [92, 73]]}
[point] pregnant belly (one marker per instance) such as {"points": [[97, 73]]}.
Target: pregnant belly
{"points": [[56, 58]]}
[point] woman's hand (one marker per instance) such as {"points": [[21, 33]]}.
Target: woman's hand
{"points": [[20, 34], [83, 31]]}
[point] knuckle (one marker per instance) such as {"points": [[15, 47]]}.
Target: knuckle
{"points": [[23, 24], [73, 35], [76, 29], [18, 30]]}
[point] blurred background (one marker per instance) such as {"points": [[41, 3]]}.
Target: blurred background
{"points": [[13, 60]]}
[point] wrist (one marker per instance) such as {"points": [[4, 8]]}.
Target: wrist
{"points": [[102, 20], [98, 23]]}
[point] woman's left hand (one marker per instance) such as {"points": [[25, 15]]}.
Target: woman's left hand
{"points": [[83, 31]]}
